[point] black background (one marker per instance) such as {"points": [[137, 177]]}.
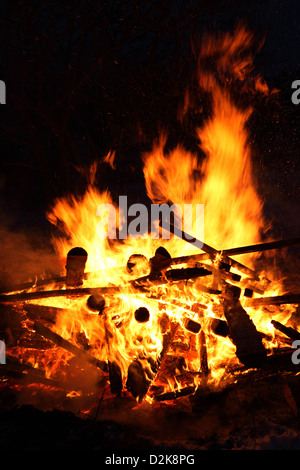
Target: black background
{"points": [[86, 77]]}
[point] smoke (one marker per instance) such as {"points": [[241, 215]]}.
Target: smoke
{"points": [[26, 256]]}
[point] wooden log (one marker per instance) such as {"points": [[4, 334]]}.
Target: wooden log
{"points": [[114, 371], [244, 335], [262, 247], [141, 378], [28, 374], [172, 275], [76, 261], [29, 377], [24, 296], [42, 311], [137, 264], [231, 292], [219, 327], [192, 326], [142, 315], [287, 330], [204, 369], [184, 392], [213, 252], [96, 303], [275, 300], [115, 377], [32, 284], [57, 281], [137, 382], [131, 288], [240, 250], [160, 262], [176, 260], [63, 343]]}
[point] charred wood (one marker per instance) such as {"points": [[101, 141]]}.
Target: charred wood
{"points": [[23, 296], [212, 252], [63, 343], [204, 369], [76, 261], [142, 373], [171, 275], [241, 250], [136, 284], [192, 326], [137, 380], [29, 377], [184, 392], [96, 303], [27, 374], [276, 300], [244, 335], [115, 377], [42, 311], [137, 264], [160, 262], [287, 330], [262, 247], [114, 371], [142, 315], [219, 327]]}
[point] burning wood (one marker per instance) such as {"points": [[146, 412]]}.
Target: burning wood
{"points": [[76, 261], [287, 330], [137, 262], [27, 376], [63, 343], [96, 303], [192, 326], [142, 315], [275, 300], [260, 247], [219, 327], [213, 253], [80, 292], [172, 275], [153, 323], [139, 379], [204, 369], [142, 374], [184, 392], [244, 335]]}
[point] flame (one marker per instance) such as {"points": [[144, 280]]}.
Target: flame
{"points": [[219, 176]]}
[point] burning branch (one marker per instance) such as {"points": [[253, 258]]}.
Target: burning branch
{"points": [[212, 252], [240, 250], [287, 330], [275, 300], [63, 343]]}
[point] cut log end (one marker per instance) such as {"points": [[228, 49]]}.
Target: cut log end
{"points": [[76, 261], [96, 303], [142, 315]]}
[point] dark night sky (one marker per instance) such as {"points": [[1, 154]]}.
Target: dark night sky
{"points": [[279, 21], [63, 111]]}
